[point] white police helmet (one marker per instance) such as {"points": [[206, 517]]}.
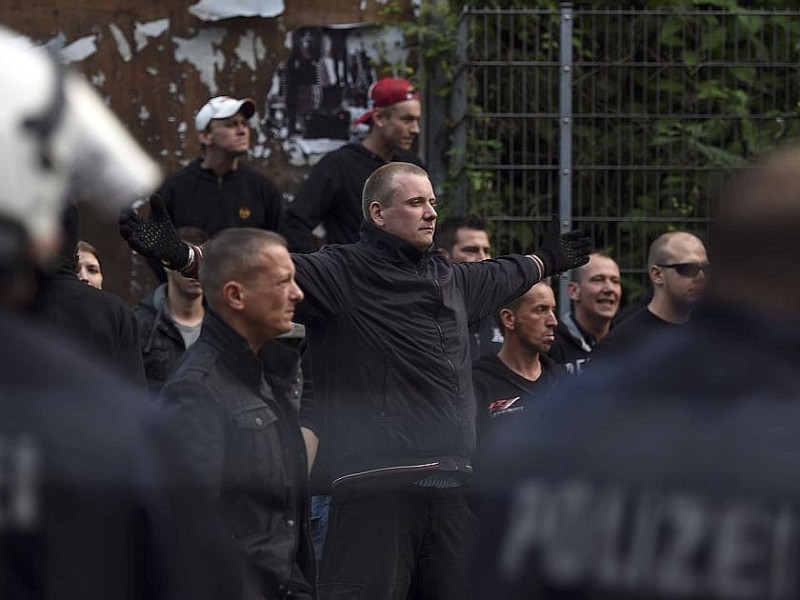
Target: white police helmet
{"points": [[59, 142]]}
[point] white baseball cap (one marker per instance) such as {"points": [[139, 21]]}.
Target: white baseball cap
{"points": [[223, 107]]}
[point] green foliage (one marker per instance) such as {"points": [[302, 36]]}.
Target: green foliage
{"points": [[666, 97]]}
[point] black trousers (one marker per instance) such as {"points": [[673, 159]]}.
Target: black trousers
{"points": [[412, 543]]}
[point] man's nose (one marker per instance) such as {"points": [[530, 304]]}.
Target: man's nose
{"points": [[297, 293]]}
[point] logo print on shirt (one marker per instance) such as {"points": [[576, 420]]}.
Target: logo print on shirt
{"points": [[244, 213], [503, 406]]}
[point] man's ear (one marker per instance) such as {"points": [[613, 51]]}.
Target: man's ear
{"points": [[233, 295], [443, 252], [656, 274], [506, 318], [572, 290], [204, 137], [376, 213], [378, 118]]}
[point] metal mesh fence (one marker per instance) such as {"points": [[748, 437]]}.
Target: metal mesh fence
{"points": [[622, 121]]}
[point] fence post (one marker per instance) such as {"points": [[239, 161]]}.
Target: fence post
{"points": [[434, 133], [565, 139], [457, 160]]}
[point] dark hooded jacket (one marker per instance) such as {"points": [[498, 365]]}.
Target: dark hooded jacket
{"points": [[666, 471], [162, 343]]}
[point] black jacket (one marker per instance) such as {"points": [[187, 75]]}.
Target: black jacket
{"points": [[332, 196], [99, 320], [244, 441], [161, 342], [387, 329], [196, 197]]}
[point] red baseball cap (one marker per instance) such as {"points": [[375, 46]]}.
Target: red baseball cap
{"points": [[388, 91]]}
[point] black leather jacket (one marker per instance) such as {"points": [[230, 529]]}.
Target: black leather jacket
{"points": [[244, 440]]}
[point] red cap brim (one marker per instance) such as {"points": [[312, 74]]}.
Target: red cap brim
{"points": [[365, 118]]}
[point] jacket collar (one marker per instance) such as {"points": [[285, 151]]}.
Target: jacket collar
{"points": [[232, 348], [275, 361], [392, 247]]}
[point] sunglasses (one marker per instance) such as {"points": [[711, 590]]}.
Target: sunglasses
{"points": [[688, 269]]}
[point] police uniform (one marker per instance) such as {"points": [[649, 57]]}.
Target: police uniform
{"points": [[675, 480]]}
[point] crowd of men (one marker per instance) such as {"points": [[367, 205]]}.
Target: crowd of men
{"points": [[466, 443]]}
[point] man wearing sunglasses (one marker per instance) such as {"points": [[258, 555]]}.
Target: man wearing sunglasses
{"points": [[678, 268]]}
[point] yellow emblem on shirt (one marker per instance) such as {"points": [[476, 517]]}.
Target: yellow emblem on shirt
{"points": [[244, 213]]}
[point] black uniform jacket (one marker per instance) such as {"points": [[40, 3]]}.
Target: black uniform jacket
{"points": [[667, 471], [93, 495]]}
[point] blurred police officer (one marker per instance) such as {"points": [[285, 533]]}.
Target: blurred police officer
{"points": [[92, 504], [678, 479]]}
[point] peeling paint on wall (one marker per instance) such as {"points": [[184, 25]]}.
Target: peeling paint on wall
{"points": [[250, 49], [80, 49], [142, 31], [123, 47], [204, 53], [214, 10]]}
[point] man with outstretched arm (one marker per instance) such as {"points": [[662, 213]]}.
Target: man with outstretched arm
{"points": [[387, 327]]}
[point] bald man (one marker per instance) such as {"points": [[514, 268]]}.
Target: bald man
{"points": [[676, 481], [678, 267]]}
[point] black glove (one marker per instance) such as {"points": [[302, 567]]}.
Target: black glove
{"points": [[155, 238], [560, 253]]}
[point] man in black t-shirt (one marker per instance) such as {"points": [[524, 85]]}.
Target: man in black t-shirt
{"points": [[678, 267], [521, 371], [331, 195]]}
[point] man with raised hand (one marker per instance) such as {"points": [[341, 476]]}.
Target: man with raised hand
{"points": [[387, 328]]}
